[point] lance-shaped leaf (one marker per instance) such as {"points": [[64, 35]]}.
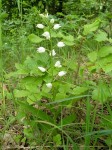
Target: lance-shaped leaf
{"points": [[35, 39]]}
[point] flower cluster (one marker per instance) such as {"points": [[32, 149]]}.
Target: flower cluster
{"points": [[59, 44]]}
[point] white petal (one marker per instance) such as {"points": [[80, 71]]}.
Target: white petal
{"points": [[57, 26], [40, 26], [41, 15], [46, 34], [53, 53], [44, 15], [60, 44], [49, 85], [42, 69], [61, 73], [58, 64], [41, 50], [52, 21]]}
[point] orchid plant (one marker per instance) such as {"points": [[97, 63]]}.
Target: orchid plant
{"points": [[42, 76], [47, 67]]}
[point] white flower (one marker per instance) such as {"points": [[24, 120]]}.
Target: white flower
{"points": [[52, 21], [52, 53], [41, 15], [60, 44], [44, 15], [46, 34], [42, 69], [61, 73], [49, 85], [41, 50], [57, 26], [58, 64], [40, 26]]}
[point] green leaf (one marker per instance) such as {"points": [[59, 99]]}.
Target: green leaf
{"points": [[30, 63], [101, 36], [104, 51], [92, 56], [71, 64], [42, 59], [22, 72], [3, 15], [79, 90], [45, 89], [101, 93], [60, 35], [26, 108], [101, 63], [53, 34], [57, 139], [91, 27], [28, 133], [32, 88], [35, 39], [110, 40], [108, 140], [107, 68], [68, 43], [31, 80], [48, 78], [68, 40], [20, 69], [68, 119], [20, 93], [64, 88], [31, 99], [18, 66], [60, 96]]}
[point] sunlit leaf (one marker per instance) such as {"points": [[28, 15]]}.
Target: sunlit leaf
{"points": [[20, 93], [101, 93], [92, 56], [34, 38], [101, 36], [91, 27], [104, 51]]}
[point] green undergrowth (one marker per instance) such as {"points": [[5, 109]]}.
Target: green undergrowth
{"points": [[55, 87]]}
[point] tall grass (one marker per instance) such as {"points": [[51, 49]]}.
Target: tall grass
{"points": [[1, 62]]}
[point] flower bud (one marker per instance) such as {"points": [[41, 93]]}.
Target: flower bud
{"points": [[49, 85], [42, 69], [41, 50], [56, 26], [52, 21], [61, 73], [52, 53], [58, 64], [60, 44], [46, 34], [40, 26]]}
